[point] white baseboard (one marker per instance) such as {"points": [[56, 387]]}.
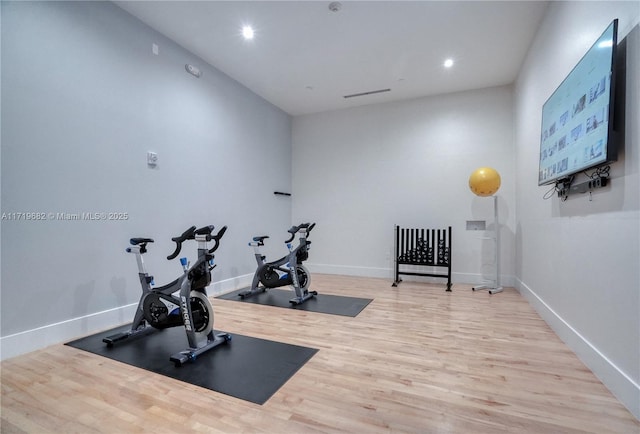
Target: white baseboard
{"points": [[228, 285], [350, 270], [41, 337], [623, 387], [387, 273], [64, 331]]}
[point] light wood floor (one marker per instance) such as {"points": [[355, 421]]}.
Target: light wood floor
{"points": [[417, 359]]}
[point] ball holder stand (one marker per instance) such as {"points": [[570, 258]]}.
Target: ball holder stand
{"points": [[493, 286]]}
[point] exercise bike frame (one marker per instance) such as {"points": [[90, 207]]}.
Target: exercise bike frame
{"points": [[192, 283], [288, 265]]}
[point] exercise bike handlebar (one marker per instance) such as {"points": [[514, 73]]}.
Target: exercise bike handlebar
{"points": [[294, 230], [186, 235], [216, 238], [205, 230]]}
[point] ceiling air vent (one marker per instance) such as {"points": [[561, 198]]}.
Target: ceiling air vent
{"points": [[371, 92]]}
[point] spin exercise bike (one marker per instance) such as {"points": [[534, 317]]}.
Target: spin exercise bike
{"points": [[182, 302], [287, 270]]}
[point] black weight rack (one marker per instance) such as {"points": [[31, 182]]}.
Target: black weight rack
{"points": [[423, 247]]}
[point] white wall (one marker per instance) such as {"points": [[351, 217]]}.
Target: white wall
{"points": [[83, 100], [357, 172], [578, 261]]}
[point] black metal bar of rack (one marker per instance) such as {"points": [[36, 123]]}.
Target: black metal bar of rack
{"points": [[422, 247]]}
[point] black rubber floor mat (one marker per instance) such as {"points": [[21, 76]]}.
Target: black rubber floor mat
{"points": [[321, 303], [247, 368]]}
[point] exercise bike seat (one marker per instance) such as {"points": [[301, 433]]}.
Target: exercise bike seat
{"points": [[260, 239], [137, 241]]}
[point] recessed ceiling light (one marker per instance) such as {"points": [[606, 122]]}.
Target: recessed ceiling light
{"points": [[448, 63], [247, 32]]}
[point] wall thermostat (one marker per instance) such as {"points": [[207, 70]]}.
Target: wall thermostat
{"points": [[152, 159]]}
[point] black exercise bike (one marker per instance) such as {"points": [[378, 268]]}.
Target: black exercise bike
{"points": [[286, 271], [183, 302]]}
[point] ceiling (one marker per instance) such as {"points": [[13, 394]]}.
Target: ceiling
{"points": [[305, 58]]}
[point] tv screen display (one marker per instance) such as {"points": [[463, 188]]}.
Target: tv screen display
{"points": [[577, 119]]}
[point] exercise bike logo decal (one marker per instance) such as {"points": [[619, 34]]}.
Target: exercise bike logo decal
{"points": [[171, 308], [185, 314]]}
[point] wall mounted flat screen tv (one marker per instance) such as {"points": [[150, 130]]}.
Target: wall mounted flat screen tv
{"points": [[577, 119]]}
